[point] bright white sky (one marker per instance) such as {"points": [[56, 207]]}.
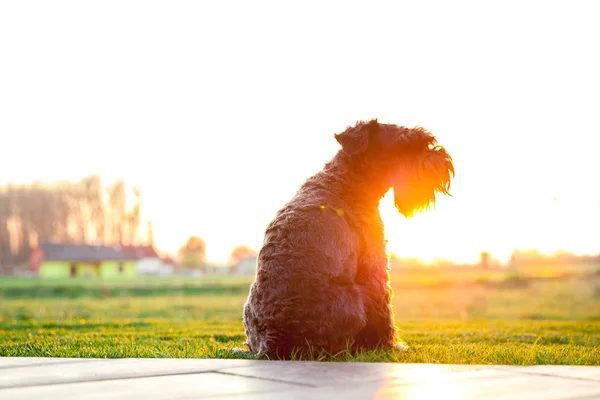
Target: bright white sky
{"points": [[220, 110]]}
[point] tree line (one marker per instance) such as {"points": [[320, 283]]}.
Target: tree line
{"points": [[192, 254], [86, 211]]}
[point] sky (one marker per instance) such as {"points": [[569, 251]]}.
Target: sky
{"points": [[219, 110]]}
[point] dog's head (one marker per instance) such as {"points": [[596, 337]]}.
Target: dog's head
{"points": [[407, 159]]}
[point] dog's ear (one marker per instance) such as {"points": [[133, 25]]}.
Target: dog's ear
{"points": [[355, 140]]}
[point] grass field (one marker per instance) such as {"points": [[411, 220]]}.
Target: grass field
{"points": [[535, 316]]}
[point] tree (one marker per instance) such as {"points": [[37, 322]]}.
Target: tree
{"points": [[92, 201], [241, 252], [4, 233], [484, 259], [193, 253], [118, 208], [62, 207], [134, 217], [149, 233], [64, 212]]}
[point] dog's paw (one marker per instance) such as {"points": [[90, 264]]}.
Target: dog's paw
{"points": [[234, 351], [238, 350], [401, 346]]}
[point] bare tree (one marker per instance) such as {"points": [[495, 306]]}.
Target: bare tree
{"points": [[149, 233], [64, 212], [91, 201], [118, 205], [133, 217], [4, 233]]}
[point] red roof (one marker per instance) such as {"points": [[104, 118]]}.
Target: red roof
{"points": [[168, 260], [140, 251]]}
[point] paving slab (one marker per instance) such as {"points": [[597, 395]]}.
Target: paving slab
{"points": [[498, 390], [252, 379], [13, 362], [422, 381], [189, 386], [565, 371], [322, 373], [45, 373]]}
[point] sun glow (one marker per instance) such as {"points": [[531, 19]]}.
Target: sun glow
{"points": [[428, 235], [458, 230], [423, 381], [220, 121]]}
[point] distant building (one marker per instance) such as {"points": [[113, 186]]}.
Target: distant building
{"points": [[246, 266], [169, 264], [148, 261], [215, 269], [63, 260]]}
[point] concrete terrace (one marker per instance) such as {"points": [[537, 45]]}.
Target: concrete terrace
{"points": [[77, 378]]}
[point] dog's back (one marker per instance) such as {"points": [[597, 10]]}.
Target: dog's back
{"points": [[304, 294]]}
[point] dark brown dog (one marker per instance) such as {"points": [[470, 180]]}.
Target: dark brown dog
{"points": [[322, 278]]}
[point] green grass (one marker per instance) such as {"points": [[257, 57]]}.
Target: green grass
{"points": [[479, 318]]}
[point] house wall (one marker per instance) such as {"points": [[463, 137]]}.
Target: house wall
{"points": [[87, 270], [149, 266], [55, 269], [167, 269], [62, 269], [130, 269], [107, 269], [154, 266], [110, 269]]}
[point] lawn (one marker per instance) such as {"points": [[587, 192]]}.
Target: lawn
{"points": [[471, 316]]}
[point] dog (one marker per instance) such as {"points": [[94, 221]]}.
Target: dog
{"points": [[322, 279]]}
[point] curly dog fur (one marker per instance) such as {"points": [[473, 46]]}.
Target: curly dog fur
{"points": [[322, 279]]}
